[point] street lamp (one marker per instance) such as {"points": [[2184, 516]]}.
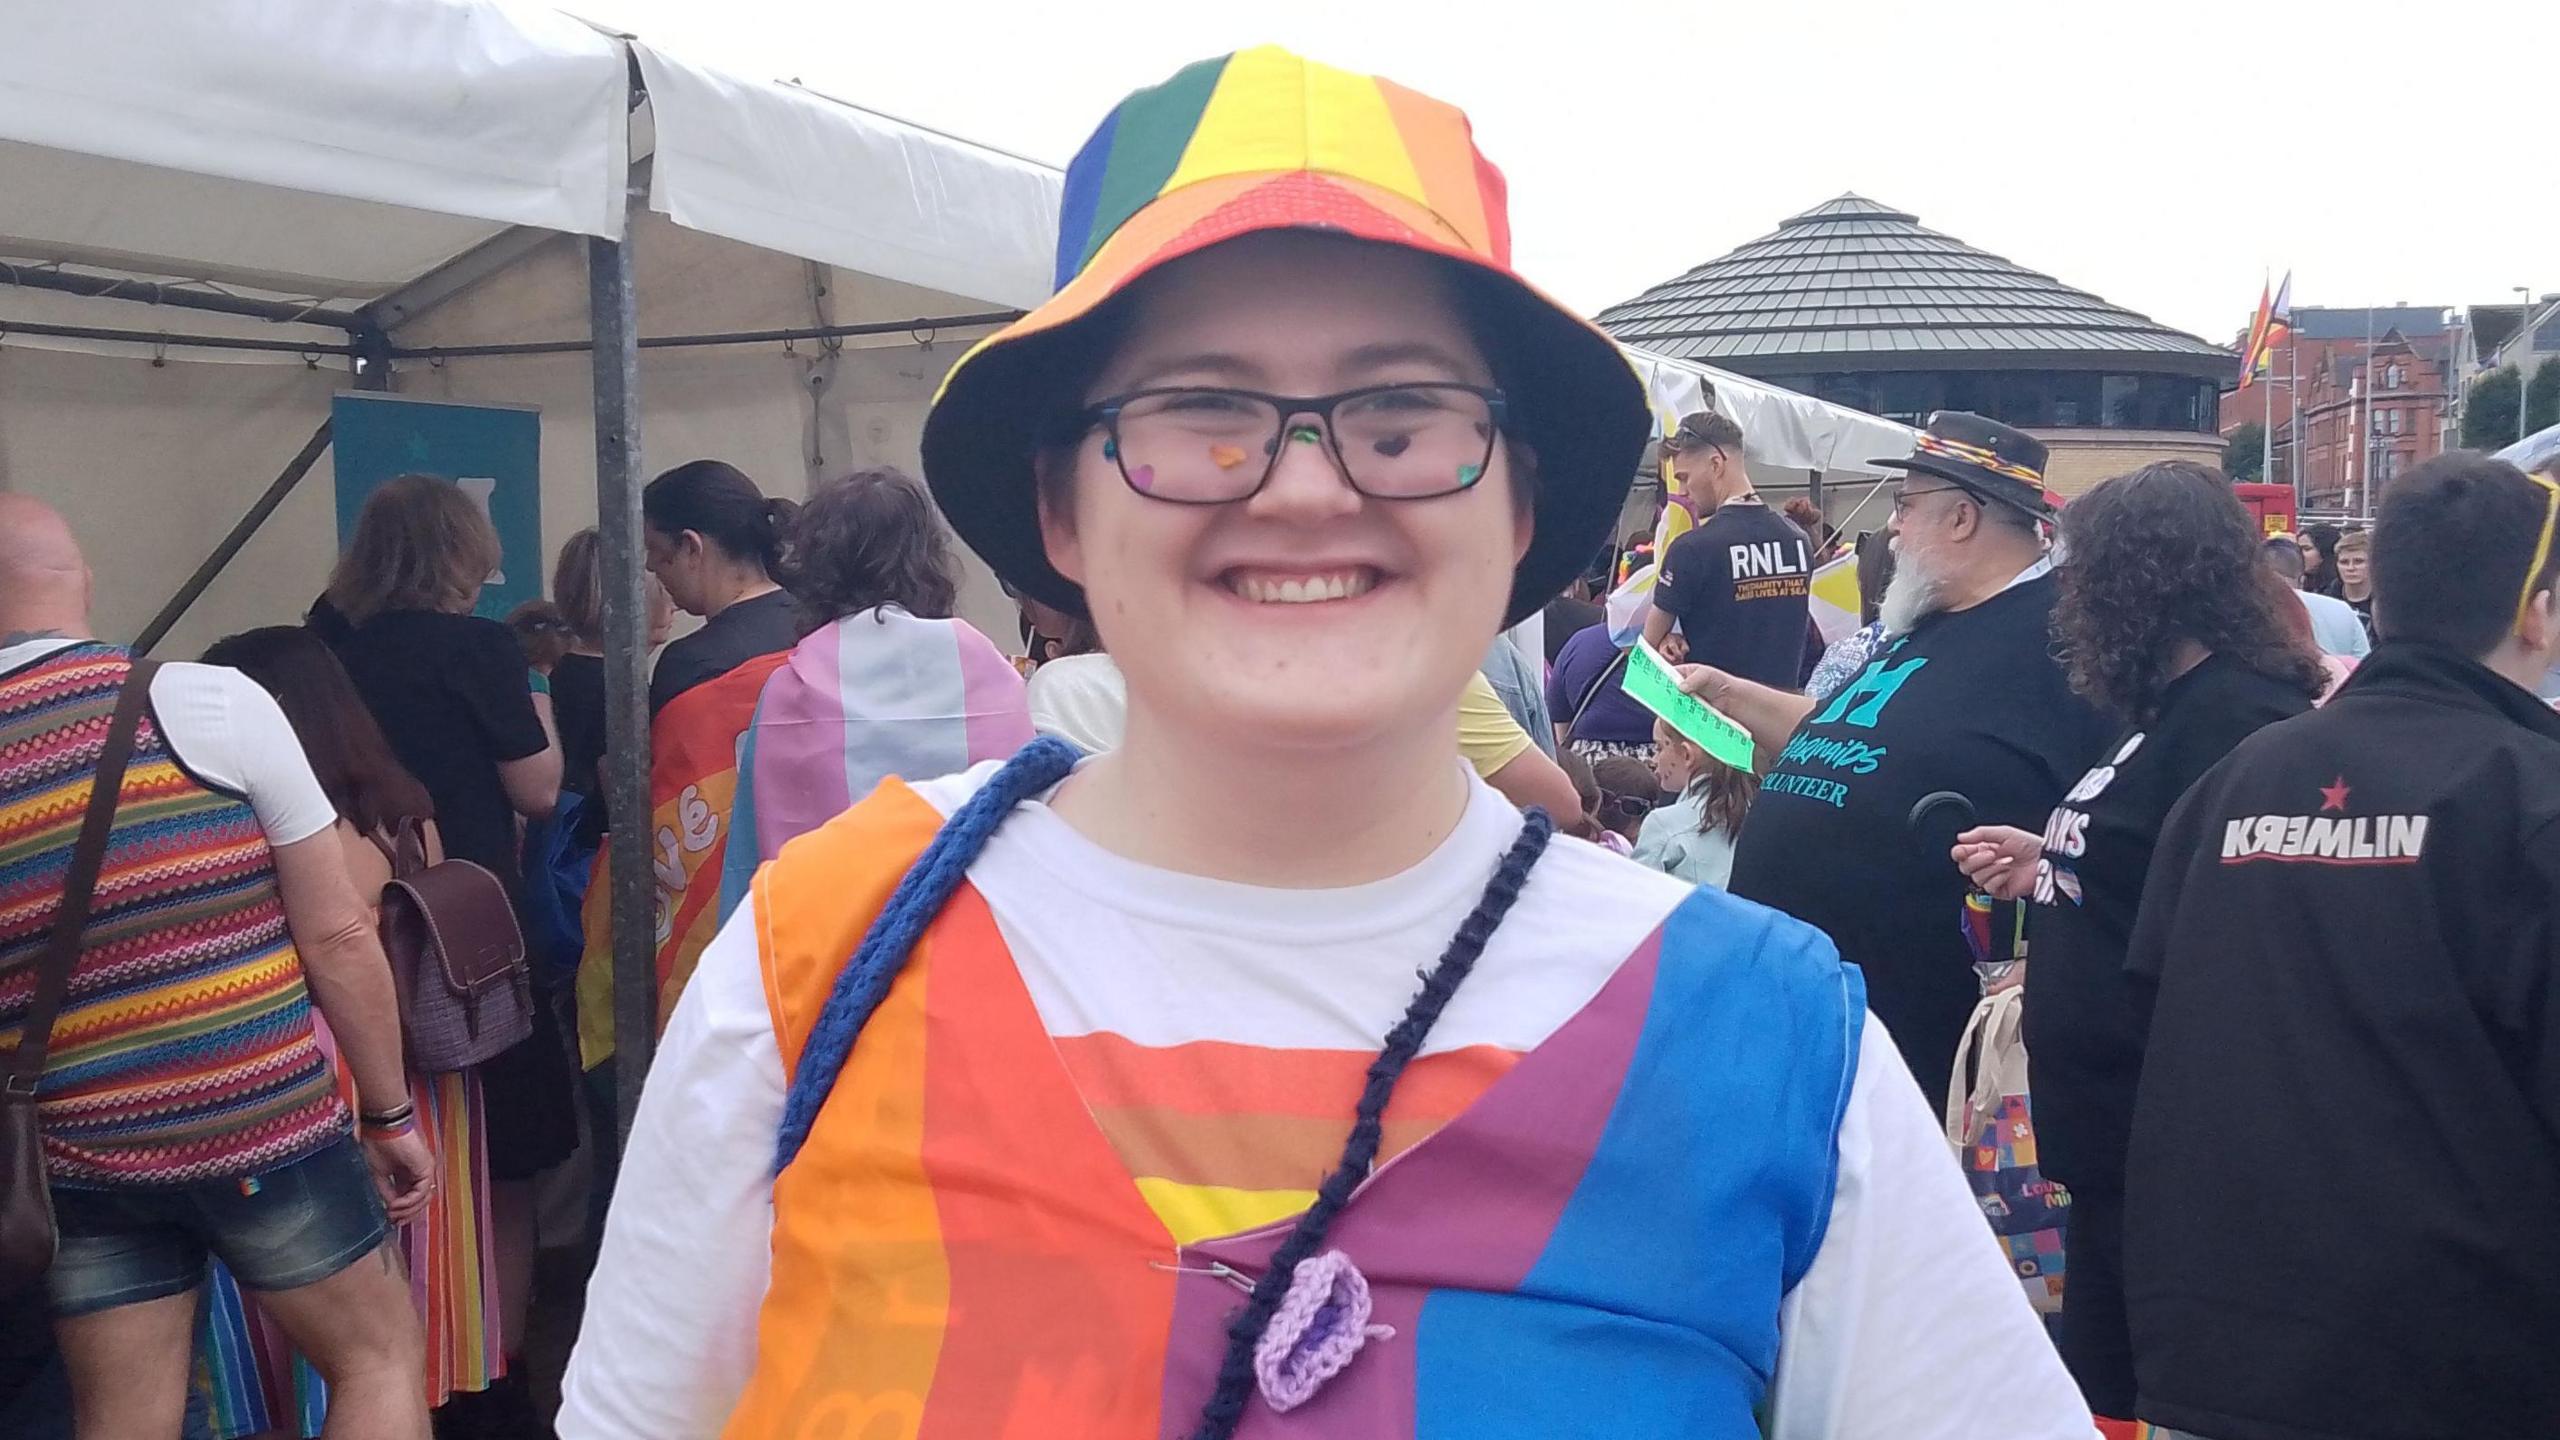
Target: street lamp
{"points": [[2524, 332]]}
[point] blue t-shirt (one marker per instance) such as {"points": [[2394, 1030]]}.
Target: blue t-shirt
{"points": [[1614, 715]]}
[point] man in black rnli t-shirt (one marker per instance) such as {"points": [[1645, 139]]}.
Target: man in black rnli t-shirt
{"points": [[1740, 583]]}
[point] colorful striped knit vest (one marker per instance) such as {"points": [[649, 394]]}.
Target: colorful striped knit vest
{"points": [[184, 1051]]}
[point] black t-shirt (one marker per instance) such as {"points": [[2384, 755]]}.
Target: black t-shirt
{"points": [[1741, 585], [577, 712], [1973, 702], [451, 693], [2082, 1026], [761, 626], [577, 709]]}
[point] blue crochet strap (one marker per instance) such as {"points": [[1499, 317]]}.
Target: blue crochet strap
{"points": [[865, 980]]}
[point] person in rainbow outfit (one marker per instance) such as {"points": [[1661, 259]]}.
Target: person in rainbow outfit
{"points": [[1098, 1098]]}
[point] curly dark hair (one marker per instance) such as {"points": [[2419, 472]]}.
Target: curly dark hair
{"points": [[867, 540], [2158, 556]]}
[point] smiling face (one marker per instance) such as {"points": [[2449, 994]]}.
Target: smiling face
{"points": [[1307, 615]]}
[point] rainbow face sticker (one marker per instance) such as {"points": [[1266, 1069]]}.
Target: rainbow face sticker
{"points": [[1143, 478], [1306, 434], [1227, 457], [1468, 475]]}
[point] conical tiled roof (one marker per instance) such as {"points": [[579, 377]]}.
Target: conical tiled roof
{"points": [[1852, 279]]}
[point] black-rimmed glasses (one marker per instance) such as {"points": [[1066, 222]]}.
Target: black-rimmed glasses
{"points": [[1902, 499], [1197, 445]]}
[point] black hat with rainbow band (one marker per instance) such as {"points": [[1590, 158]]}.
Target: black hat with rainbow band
{"points": [[1992, 461]]}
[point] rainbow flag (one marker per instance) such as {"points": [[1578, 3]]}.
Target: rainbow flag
{"points": [[2272, 323], [693, 778]]}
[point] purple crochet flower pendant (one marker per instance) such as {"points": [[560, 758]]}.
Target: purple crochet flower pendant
{"points": [[1320, 1325]]}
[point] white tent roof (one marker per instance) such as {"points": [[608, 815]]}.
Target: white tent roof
{"points": [[791, 170], [1781, 430], [2537, 451], [303, 147], [319, 151], [322, 150]]}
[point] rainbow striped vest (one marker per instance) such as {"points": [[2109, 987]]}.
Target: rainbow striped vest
{"points": [[184, 1050], [1598, 1246]]}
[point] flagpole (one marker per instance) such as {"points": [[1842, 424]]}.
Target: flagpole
{"points": [[2267, 432], [2364, 422], [2293, 427]]}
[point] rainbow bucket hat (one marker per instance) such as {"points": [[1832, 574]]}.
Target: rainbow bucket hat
{"points": [[1266, 140]]}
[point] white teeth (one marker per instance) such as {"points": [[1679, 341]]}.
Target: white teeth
{"points": [[1305, 591]]}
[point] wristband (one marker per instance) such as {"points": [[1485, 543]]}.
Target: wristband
{"points": [[368, 1130], [399, 1114]]}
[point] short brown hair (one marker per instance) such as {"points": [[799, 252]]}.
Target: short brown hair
{"points": [[2359, 540], [1701, 428], [867, 540], [420, 544]]}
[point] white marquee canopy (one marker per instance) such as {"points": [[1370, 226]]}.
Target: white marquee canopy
{"points": [[334, 152], [437, 198]]}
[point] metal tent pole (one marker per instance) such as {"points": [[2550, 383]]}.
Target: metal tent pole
{"points": [[372, 372], [612, 313], [922, 326], [277, 489], [180, 295]]}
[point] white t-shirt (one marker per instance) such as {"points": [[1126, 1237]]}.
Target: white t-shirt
{"points": [[228, 733], [1080, 699], [1909, 1324]]}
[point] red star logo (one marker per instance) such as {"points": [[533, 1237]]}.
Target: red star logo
{"points": [[2333, 796]]}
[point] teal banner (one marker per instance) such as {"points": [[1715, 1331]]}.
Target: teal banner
{"points": [[494, 452]]}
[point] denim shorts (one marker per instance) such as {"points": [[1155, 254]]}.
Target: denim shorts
{"points": [[293, 1226]]}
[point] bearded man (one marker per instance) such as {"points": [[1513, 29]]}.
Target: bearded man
{"points": [[1963, 694]]}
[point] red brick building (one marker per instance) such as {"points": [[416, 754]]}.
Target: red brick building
{"points": [[2351, 440], [2405, 423]]}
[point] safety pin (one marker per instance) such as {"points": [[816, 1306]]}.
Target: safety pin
{"points": [[1215, 1270]]}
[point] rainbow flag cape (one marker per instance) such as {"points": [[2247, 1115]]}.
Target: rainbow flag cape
{"points": [[693, 777]]}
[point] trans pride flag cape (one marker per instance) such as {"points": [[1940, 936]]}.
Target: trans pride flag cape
{"points": [[875, 694], [693, 776]]}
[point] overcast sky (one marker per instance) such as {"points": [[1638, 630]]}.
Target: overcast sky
{"points": [[2162, 155]]}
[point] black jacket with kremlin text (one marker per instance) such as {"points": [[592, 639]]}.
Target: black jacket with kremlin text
{"points": [[2343, 1188]]}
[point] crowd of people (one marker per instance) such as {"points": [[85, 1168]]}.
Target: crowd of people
{"points": [[1288, 998]]}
